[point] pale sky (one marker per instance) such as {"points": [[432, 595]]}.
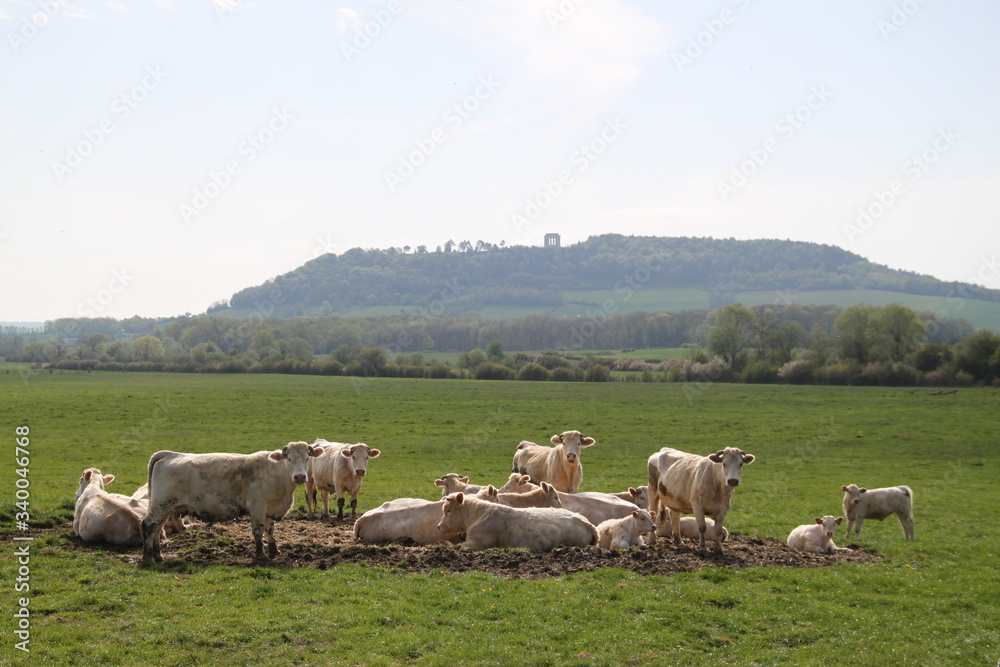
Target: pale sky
{"points": [[160, 155]]}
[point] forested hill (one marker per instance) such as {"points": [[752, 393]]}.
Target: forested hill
{"points": [[468, 277]]}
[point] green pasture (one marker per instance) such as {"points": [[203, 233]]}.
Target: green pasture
{"points": [[931, 602]]}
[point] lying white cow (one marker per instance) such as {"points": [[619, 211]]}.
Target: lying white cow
{"points": [[340, 469], [624, 532], [861, 504], [454, 482], [559, 466], [489, 525], [638, 496], [699, 485], [596, 507], [103, 517], [689, 528], [215, 487], [542, 496], [816, 537], [405, 519]]}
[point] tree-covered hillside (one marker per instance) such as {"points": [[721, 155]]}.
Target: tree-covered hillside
{"points": [[477, 275]]}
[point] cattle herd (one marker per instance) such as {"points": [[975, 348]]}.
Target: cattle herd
{"points": [[539, 507]]}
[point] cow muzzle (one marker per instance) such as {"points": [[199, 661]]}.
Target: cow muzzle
{"points": [[359, 473], [733, 482], [571, 458], [299, 479]]}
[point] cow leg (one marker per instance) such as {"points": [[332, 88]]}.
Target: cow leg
{"points": [[908, 525], [699, 517], [326, 503], [354, 506], [340, 507], [150, 529], [675, 526], [272, 545], [311, 499], [258, 538], [857, 526], [718, 532]]}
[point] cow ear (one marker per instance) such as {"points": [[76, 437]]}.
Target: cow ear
{"points": [[839, 520], [459, 497], [373, 453], [843, 488], [108, 479], [491, 490], [87, 475], [315, 450], [635, 514], [863, 490], [277, 455], [715, 458], [463, 479], [587, 442], [818, 521], [748, 459], [524, 479], [439, 482], [346, 452], [556, 439], [632, 491], [546, 486]]}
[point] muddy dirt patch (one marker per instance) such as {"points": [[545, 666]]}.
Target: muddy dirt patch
{"points": [[317, 544]]}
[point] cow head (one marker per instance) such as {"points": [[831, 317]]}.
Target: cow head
{"points": [[489, 494], [852, 494], [451, 515], [517, 483], [640, 496], [296, 455], [93, 477], [572, 442], [829, 524], [732, 459], [644, 520], [551, 495], [359, 455], [447, 482]]}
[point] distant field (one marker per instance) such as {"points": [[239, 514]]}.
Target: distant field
{"points": [[983, 314], [932, 602]]}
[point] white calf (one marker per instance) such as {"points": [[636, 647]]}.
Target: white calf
{"points": [[816, 537], [100, 516], [625, 532], [340, 469], [861, 504], [559, 466]]}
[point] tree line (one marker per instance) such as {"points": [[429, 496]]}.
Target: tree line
{"points": [[861, 344]]}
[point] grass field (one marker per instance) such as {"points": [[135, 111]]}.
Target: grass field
{"points": [[931, 602]]}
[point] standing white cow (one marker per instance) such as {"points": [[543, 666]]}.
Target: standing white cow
{"points": [[487, 525], [861, 504], [559, 466], [100, 516], [816, 537], [215, 487], [624, 532], [340, 469], [699, 485]]}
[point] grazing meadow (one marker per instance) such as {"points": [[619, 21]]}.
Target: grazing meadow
{"points": [[933, 601]]}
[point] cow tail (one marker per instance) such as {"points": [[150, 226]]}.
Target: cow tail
{"points": [[153, 460], [909, 493]]}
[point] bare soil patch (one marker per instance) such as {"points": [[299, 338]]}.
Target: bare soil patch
{"points": [[313, 543]]}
